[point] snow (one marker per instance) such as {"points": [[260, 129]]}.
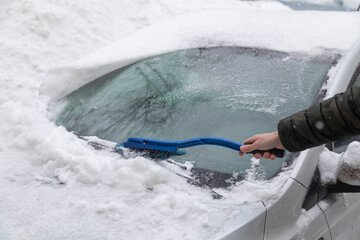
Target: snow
{"points": [[328, 165], [351, 155], [305, 219], [344, 166], [278, 30], [55, 186]]}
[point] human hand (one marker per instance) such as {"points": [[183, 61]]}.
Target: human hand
{"points": [[263, 141]]}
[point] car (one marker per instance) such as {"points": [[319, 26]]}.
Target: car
{"points": [[226, 73]]}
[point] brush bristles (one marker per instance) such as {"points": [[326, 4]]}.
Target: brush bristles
{"points": [[157, 154]]}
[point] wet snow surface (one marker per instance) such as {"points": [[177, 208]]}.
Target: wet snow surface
{"points": [[53, 185]]}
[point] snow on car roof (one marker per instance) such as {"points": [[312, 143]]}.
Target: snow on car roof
{"points": [[288, 31]]}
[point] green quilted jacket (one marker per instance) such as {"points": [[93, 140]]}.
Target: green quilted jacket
{"points": [[321, 123]]}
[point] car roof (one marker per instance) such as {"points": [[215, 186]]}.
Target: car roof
{"points": [[327, 5], [290, 31]]}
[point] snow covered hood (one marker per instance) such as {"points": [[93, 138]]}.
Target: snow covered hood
{"points": [[287, 31]]}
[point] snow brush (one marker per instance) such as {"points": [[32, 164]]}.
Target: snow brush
{"points": [[164, 149]]}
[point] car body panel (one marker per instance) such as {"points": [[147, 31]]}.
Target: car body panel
{"points": [[305, 165], [284, 212], [317, 228], [345, 71], [342, 213], [247, 221]]}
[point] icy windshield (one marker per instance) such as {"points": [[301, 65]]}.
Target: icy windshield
{"points": [[227, 92]]}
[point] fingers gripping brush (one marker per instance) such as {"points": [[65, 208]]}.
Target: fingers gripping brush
{"points": [[164, 149]]}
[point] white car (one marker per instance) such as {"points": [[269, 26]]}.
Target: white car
{"points": [[231, 74]]}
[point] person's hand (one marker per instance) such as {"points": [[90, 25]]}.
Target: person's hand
{"points": [[263, 141]]}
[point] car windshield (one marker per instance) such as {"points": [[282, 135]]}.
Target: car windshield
{"points": [[227, 92]]}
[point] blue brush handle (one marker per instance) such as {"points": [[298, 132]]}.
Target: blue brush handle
{"points": [[210, 141], [172, 146]]}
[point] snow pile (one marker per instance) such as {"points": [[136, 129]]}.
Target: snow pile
{"points": [[328, 166], [351, 155], [305, 219], [55, 186], [252, 189], [278, 30]]}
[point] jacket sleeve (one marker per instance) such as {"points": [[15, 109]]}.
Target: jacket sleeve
{"points": [[321, 123]]}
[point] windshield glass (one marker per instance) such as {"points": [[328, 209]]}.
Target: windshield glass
{"points": [[227, 92]]}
